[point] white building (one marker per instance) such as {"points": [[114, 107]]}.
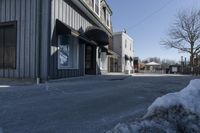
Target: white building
{"points": [[123, 45]]}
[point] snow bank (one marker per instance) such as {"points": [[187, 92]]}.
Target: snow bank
{"points": [[188, 98], [173, 113]]}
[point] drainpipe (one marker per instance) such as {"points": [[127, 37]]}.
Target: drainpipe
{"points": [[39, 42], [99, 59]]}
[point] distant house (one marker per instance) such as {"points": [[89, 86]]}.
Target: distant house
{"points": [[123, 45], [50, 39]]}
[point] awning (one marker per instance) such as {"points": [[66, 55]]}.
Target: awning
{"points": [[153, 64], [127, 57], [98, 35], [109, 52], [63, 29], [106, 50], [131, 58], [113, 54]]}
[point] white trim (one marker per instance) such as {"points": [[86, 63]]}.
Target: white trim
{"points": [[94, 8], [108, 18]]}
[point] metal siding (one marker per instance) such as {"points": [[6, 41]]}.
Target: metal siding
{"points": [[24, 12], [27, 38], [33, 39], [7, 15], [66, 12], [45, 38]]}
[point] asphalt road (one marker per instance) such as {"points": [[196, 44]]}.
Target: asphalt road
{"points": [[85, 105]]}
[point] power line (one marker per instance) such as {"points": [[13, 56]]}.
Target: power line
{"points": [[152, 14]]}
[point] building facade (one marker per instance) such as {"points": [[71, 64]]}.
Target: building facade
{"points": [[123, 46], [49, 39]]}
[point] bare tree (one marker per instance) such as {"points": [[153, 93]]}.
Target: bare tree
{"points": [[184, 35]]}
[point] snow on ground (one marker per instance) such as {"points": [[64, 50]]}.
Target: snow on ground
{"points": [[189, 98], [172, 113]]}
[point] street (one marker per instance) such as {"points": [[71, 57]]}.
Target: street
{"points": [[93, 104]]}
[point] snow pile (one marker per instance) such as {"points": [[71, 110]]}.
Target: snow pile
{"points": [[173, 113], [189, 98]]}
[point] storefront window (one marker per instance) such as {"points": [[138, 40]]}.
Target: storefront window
{"points": [[68, 53]]}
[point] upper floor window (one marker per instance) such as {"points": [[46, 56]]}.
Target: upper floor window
{"points": [[104, 14], [108, 19], [93, 3], [97, 6], [130, 46]]}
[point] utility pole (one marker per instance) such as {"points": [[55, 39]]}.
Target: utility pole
{"points": [[182, 64]]}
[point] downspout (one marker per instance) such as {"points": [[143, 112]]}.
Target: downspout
{"points": [[49, 37], [39, 43]]}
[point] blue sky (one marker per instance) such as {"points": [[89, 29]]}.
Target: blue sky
{"points": [[147, 22]]}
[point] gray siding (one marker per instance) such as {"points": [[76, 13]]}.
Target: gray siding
{"points": [[24, 12], [69, 14], [36, 21], [28, 15]]}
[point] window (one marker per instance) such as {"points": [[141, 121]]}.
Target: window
{"points": [[125, 43], [104, 14], [97, 6], [130, 46], [93, 4], [8, 43], [108, 19], [68, 52]]}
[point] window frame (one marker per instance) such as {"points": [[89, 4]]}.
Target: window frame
{"points": [[3, 25], [108, 19], [94, 7], [74, 55]]}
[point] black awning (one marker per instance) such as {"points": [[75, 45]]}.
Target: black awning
{"points": [[127, 57], [131, 58], [106, 50], [98, 35], [84, 39], [63, 29]]}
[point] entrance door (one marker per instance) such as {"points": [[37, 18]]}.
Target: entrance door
{"points": [[90, 59]]}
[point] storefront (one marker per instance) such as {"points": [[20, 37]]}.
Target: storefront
{"points": [[51, 39]]}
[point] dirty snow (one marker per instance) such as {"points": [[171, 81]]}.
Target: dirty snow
{"points": [[172, 113], [189, 98]]}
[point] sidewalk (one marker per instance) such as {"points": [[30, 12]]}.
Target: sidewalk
{"points": [[4, 82], [108, 76], [156, 75]]}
